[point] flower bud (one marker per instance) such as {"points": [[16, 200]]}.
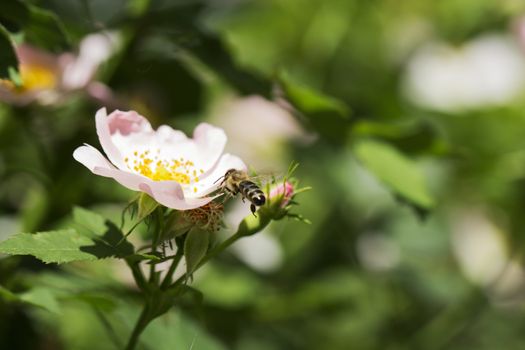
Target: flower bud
{"points": [[283, 192]]}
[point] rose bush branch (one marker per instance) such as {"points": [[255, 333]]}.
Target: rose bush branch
{"points": [[179, 203]]}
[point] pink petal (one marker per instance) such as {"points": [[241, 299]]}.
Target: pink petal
{"points": [[104, 136], [127, 123], [29, 55], [79, 71], [169, 194], [17, 99]]}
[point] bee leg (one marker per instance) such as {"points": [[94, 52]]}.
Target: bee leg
{"points": [[242, 199], [252, 208]]}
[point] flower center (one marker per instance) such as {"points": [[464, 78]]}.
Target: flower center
{"points": [[32, 77], [158, 169], [37, 77]]}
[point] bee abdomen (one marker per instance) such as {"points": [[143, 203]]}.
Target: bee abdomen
{"points": [[252, 192]]}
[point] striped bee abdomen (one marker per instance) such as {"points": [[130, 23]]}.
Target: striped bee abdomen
{"points": [[252, 192]]}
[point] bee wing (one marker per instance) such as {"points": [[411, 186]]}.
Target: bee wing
{"points": [[265, 178]]}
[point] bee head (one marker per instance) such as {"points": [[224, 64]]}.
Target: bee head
{"points": [[226, 175], [229, 172]]}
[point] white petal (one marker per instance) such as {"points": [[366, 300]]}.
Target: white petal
{"points": [[204, 149], [91, 157]]}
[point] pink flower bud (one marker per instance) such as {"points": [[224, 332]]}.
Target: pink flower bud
{"points": [[285, 190]]}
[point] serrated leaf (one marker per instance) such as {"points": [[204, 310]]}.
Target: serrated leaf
{"points": [[396, 171], [94, 238], [195, 248], [107, 239], [8, 59], [88, 223], [51, 247]]}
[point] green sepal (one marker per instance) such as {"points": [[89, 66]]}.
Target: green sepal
{"points": [[195, 247], [146, 205]]}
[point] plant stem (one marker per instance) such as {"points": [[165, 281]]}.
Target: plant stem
{"points": [[140, 280], [142, 322], [173, 267]]}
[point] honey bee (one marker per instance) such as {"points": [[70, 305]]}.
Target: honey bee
{"points": [[238, 181]]}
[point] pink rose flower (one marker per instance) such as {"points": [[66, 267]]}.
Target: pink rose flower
{"points": [[177, 171], [45, 77]]}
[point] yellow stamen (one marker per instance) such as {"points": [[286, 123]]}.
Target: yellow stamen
{"points": [[37, 77], [163, 170]]}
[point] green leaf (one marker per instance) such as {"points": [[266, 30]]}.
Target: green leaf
{"points": [[107, 239], [230, 287], [195, 248], [207, 47], [39, 296], [8, 60], [51, 247], [42, 297], [326, 115], [103, 302], [41, 27], [88, 223], [94, 238], [396, 171], [174, 330]]}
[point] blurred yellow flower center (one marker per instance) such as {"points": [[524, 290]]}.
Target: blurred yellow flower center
{"points": [[180, 170], [33, 77], [37, 77]]}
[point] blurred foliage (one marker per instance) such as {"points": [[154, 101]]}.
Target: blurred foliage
{"points": [[368, 273]]}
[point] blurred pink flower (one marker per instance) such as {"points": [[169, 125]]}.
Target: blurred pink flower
{"points": [[484, 72], [45, 77], [285, 191], [258, 129], [519, 29], [177, 171]]}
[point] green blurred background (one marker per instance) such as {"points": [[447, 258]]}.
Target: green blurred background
{"points": [[407, 119]]}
